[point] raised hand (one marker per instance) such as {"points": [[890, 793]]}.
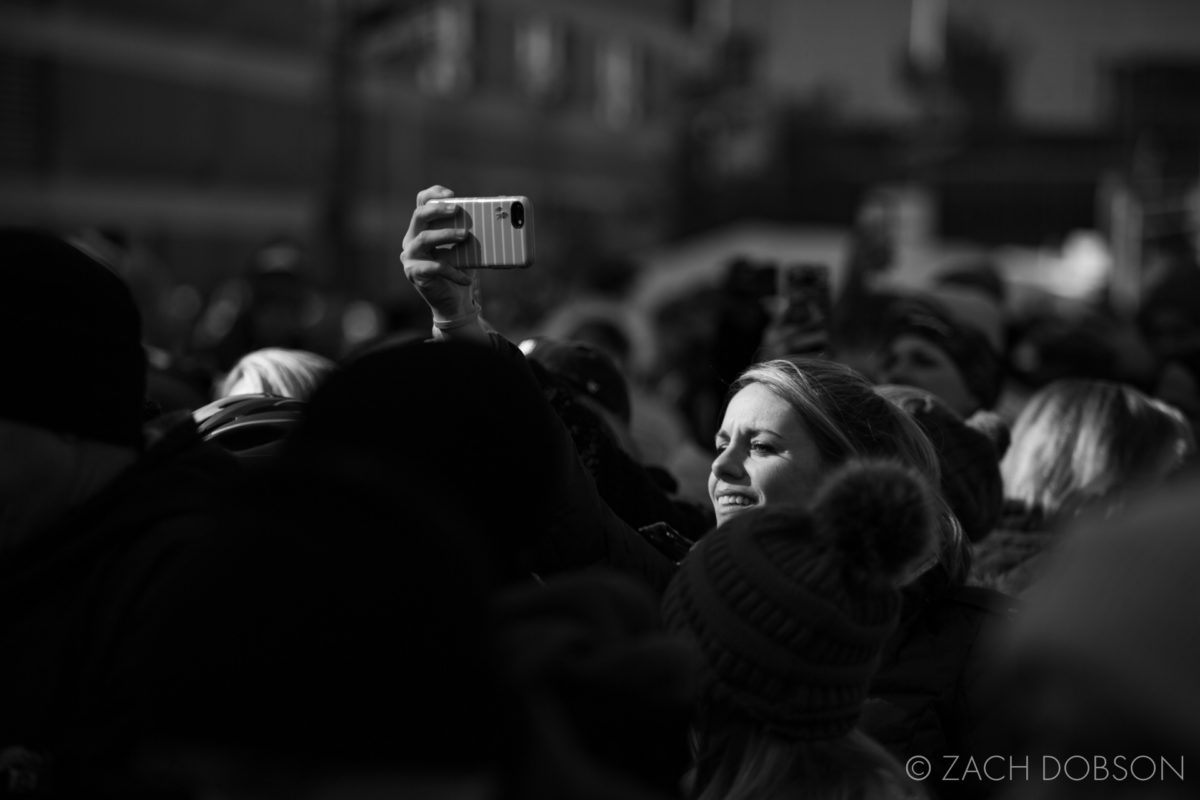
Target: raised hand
{"points": [[447, 290]]}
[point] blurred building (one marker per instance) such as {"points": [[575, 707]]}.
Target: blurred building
{"points": [[1015, 113], [205, 127]]}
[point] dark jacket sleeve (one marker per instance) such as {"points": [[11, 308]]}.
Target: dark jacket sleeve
{"points": [[585, 530]]}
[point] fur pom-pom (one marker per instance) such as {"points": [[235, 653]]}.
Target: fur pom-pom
{"points": [[880, 515]]}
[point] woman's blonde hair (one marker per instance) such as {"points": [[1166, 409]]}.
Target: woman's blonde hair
{"points": [[1079, 443], [848, 419], [749, 763], [275, 371]]}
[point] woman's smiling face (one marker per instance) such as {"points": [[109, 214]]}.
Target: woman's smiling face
{"points": [[765, 455]]}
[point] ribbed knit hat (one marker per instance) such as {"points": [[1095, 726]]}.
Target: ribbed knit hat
{"points": [[791, 606], [70, 337]]}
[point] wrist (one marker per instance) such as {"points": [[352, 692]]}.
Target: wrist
{"points": [[463, 315], [460, 321]]}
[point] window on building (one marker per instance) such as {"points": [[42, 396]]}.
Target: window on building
{"points": [[541, 57], [448, 68], [618, 83], [712, 18]]}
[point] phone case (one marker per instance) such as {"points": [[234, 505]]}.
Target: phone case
{"points": [[501, 232]]}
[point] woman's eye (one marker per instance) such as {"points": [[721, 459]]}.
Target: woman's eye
{"points": [[761, 447], [720, 446]]}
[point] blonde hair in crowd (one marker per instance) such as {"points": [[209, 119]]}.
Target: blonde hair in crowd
{"points": [[754, 765], [1077, 443], [275, 371], [849, 419]]}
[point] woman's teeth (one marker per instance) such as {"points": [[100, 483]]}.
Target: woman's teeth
{"points": [[734, 500]]}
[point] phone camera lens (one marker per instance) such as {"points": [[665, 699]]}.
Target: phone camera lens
{"points": [[518, 215]]}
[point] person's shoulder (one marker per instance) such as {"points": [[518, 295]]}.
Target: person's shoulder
{"points": [[1009, 550]]}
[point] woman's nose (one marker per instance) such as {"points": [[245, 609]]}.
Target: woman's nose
{"points": [[728, 464]]}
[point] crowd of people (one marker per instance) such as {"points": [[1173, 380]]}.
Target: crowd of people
{"points": [[451, 565]]}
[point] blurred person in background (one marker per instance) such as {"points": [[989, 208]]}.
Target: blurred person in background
{"points": [[969, 453], [658, 431], [1100, 668], [973, 292], [926, 348], [687, 390], [593, 401], [1169, 319], [94, 518], [272, 305], [591, 397], [276, 371], [593, 378], [929, 694], [1076, 446], [791, 607]]}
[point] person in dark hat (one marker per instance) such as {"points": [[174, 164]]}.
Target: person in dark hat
{"points": [[969, 457], [591, 397], [791, 608], [926, 348], [928, 695], [475, 418], [592, 377], [91, 518]]}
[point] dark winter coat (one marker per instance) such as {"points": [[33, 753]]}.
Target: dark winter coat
{"points": [[78, 607], [588, 529], [924, 699], [467, 425], [1010, 558]]}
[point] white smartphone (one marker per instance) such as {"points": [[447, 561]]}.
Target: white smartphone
{"points": [[500, 232]]}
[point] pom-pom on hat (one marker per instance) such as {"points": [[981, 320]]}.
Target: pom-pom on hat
{"points": [[72, 336], [791, 607]]}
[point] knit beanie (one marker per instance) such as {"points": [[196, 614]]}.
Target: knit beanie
{"points": [[969, 349], [791, 606], [71, 337], [968, 458]]}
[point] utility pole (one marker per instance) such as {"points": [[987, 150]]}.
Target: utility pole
{"points": [[337, 129]]}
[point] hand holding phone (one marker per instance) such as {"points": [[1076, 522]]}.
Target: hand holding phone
{"points": [[446, 289], [499, 232]]}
